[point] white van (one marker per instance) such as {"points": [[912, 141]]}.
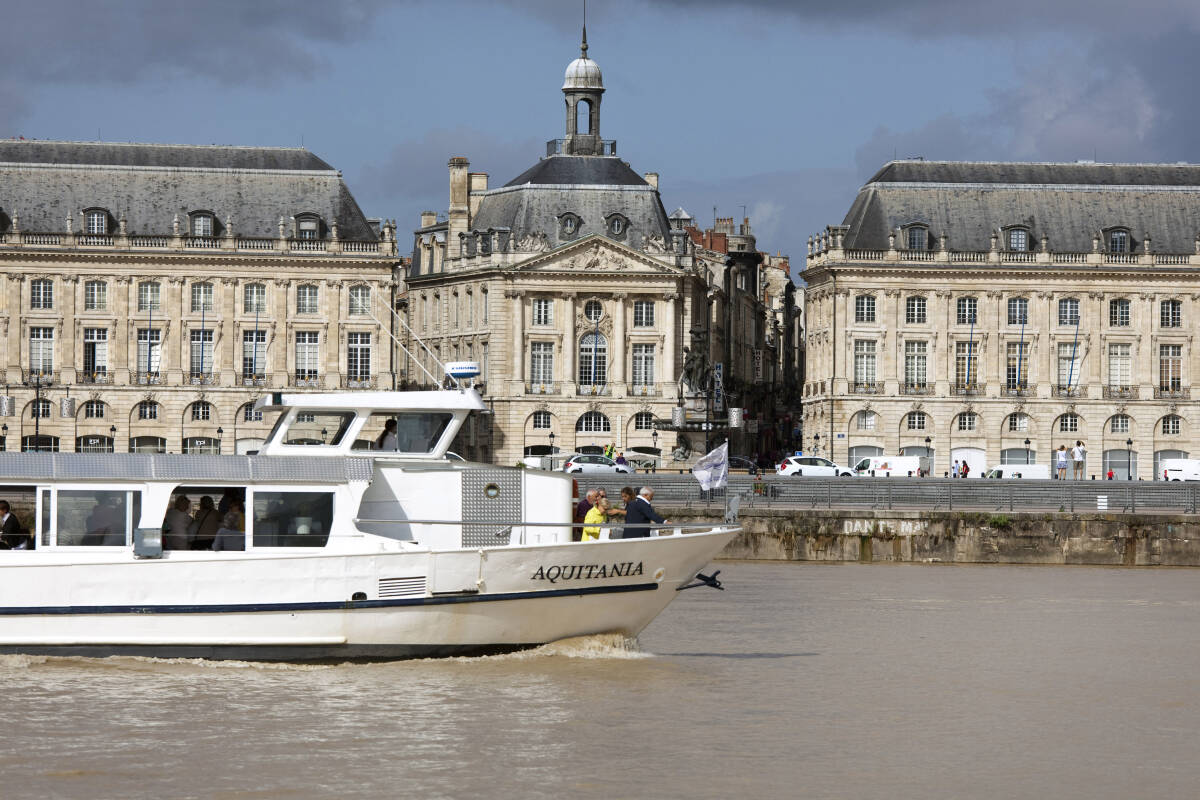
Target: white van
{"points": [[884, 466], [1028, 471], [1180, 469]]}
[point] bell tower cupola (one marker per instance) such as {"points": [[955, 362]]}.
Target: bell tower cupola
{"points": [[583, 87]]}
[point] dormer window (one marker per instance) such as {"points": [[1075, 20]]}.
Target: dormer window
{"points": [[308, 226], [1018, 240], [917, 237], [1118, 241], [617, 226], [569, 224], [202, 224], [96, 222]]}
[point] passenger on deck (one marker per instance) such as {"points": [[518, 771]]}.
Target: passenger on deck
{"points": [[176, 524], [597, 515], [205, 524], [641, 511], [582, 509], [12, 536], [228, 536]]}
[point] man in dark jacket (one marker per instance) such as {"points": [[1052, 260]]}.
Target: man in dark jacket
{"points": [[11, 535], [640, 512]]}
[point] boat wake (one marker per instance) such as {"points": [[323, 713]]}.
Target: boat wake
{"points": [[595, 646]]}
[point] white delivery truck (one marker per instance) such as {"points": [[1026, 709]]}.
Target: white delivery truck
{"points": [[1027, 471], [1180, 469], [885, 466]]}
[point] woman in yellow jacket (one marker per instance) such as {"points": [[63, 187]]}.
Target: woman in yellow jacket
{"points": [[596, 515]]}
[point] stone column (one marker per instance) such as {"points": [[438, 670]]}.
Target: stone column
{"points": [[517, 310], [568, 342], [669, 356], [68, 359], [12, 324], [620, 349], [333, 334], [276, 361], [224, 351], [173, 346], [122, 351]]}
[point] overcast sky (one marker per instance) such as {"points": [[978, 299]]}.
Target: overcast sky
{"points": [[785, 108]]}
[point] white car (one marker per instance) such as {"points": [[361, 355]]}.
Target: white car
{"points": [[589, 463], [812, 466]]}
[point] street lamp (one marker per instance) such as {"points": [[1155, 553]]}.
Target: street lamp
{"points": [[1129, 459], [219, 432], [1026, 452], [4, 433], [816, 443], [112, 437], [928, 454], [551, 449], [654, 440]]}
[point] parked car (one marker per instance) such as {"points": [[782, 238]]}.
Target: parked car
{"points": [[591, 463], [1180, 469], [885, 466], [811, 466], [1027, 471]]}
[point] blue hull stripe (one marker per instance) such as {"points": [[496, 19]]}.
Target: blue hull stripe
{"points": [[343, 605]]}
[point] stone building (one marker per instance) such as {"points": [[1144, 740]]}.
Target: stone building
{"points": [[149, 293], [579, 297], [995, 311]]}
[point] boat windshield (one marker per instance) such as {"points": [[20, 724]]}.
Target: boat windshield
{"points": [[318, 427], [415, 431]]}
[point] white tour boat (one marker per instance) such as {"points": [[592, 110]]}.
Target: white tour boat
{"points": [[346, 552]]}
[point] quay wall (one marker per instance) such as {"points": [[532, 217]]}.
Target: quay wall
{"points": [[965, 537]]}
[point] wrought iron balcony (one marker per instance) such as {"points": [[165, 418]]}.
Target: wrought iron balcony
{"points": [[254, 380], [202, 378], [864, 387], [95, 376], [910, 387], [147, 378], [43, 376], [1172, 393], [1010, 390], [1120, 392], [1068, 390], [969, 389], [356, 382], [541, 388], [643, 390], [306, 380], [593, 390]]}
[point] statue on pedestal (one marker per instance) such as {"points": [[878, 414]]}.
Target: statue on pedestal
{"points": [[697, 372]]}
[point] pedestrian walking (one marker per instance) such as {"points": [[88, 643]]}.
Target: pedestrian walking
{"points": [[1060, 462]]}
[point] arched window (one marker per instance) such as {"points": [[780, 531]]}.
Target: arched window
{"points": [[1018, 423], [593, 422], [39, 444], [917, 237], [865, 420], [203, 224], [967, 421], [93, 444], [201, 411], [1017, 240], [1119, 423], [95, 222], [593, 360], [147, 444], [250, 414], [93, 409], [643, 421], [915, 420], [569, 225], [1068, 423], [147, 409], [541, 420], [1171, 425], [39, 409], [1118, 241], [592, 310]]}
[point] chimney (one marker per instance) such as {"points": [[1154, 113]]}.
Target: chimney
{"points": [[460, 219], [652, 179], [428, 218], [478, 181]]}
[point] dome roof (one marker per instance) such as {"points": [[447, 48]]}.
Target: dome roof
{"points": [[583, 73]]}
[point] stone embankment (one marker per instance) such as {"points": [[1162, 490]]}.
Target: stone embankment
{"points": [[966, 537]]}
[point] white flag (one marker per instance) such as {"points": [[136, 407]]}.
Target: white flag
{"points": [[713, 469]]}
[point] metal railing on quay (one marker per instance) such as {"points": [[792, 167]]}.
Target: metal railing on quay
{"points": [[910, 494]]}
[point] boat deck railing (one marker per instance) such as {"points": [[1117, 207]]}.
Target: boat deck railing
{"points": [[513, 532]]}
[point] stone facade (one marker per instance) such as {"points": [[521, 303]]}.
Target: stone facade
{"points": [[149, 294], [942, 314], [578, 296]]}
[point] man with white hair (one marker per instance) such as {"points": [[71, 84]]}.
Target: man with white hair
{"points": [[640, 512]]}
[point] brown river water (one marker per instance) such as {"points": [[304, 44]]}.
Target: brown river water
{"points": [[822, 681]]}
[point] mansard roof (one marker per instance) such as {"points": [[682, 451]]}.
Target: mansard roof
{"points": [[1067, 203], [593, 188], [44, 183]]}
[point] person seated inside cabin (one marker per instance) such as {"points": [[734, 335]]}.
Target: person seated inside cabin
{"points": [[204, 525], [229, 537], [176, 524], [12, 535], [387, 440], [106, 524]]}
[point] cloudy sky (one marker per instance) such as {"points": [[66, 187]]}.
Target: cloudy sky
{"points": [[784, 108]]}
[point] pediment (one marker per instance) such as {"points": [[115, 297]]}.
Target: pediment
{"points": [[598, 254]]}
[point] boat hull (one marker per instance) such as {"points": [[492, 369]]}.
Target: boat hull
{"points": [[378, 606]]}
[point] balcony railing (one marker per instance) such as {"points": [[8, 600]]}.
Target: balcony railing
{"points": [[306, 380], [253, 380], [916, 388], [643, 390], [349, 382], [93, 240], [140, 378], [94, 376], [541, 388], [43, 376], [970, 389], [1064, 390], [593, 390], [864, 387], [202, 378], [1120, 392], [1012, 390], [1172, 393]]}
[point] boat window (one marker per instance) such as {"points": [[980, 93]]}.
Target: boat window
{"points": [[292, 519], [93, 518], [318, 427], [416, 431]]}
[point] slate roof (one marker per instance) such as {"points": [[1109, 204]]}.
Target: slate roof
{"points": [[1068, 203], [592, 187], [45, 182]]}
